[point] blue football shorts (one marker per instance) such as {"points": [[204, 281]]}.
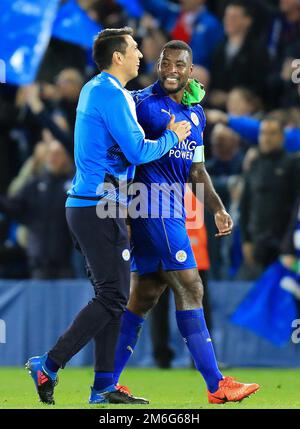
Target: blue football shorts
{"points": [[160, 243]]}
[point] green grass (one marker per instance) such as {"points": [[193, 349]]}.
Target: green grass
{"points": [[168, 389]]}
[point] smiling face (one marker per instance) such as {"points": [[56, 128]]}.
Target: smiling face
{"points": [[131, 58], [174, 69]]}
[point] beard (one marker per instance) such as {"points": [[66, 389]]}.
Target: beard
{"points": [[172, 90]]}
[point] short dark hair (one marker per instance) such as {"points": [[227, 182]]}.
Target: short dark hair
{"points": [[248, 10], [180, 46], [107, 42], [275, 117], [249, 96]]}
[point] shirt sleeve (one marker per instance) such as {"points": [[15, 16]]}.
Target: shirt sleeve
{"points": [[245, 126], [292, 139], [199, 154], [199, 150], [248, 128], [119, 116]]}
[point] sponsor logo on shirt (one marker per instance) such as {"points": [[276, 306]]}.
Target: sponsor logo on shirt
{"points": [[166, 111], [184, 150]]}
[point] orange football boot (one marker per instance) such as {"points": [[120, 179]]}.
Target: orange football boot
{"points": [[231, 391]]}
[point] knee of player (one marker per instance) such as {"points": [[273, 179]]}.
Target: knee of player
{"points": [[149, 297], [195, 291]]}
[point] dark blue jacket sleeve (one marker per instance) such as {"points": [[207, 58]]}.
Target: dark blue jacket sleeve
{"points": [[292, 139], [248, 128], [121, 122]]}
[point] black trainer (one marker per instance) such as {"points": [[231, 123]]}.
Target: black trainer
{"points": [[119, 397], [44, 381], [115, 397]]}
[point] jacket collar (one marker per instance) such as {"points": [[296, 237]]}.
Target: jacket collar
{"points": [[107, 75]]}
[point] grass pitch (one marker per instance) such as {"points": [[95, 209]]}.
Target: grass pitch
{"points": [[166, 389]]}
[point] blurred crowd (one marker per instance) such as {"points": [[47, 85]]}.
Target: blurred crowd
{"points": [[246, 54]]}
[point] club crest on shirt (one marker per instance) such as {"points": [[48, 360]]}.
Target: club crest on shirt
{"points": [[195, 119], [126, 255], [181, 256]]}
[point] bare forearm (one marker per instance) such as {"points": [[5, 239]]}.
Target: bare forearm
{"points": [[212, 200]]}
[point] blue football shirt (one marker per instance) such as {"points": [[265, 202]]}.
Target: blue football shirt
{"points": [[170, 173]]}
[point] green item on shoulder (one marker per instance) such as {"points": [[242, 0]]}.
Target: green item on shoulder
{"points": [[294, 266], [195, 93]]}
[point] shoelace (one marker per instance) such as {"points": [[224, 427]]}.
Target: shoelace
{"points": [[230, 382]]}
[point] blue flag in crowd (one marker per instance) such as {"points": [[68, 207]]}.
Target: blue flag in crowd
{"points": [[73, 25], [270, 307], [25, 33], [132, 7]]}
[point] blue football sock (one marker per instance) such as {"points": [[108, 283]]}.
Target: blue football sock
{"points": [[130, 328], [192, 326], [103, 380], [51, 365]]}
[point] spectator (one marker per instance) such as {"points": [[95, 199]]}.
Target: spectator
{"points": [[290, 247], [263, 12], [61, 55], [53, 107], [9, 156], [13, 261], [283, 45], [239, 60], [191, 22], [109, 13], [288, 91], [285, 32], [249, 128], [152, 41], [68, 86], [271, 188], [241, 102], [293, 115], [225, 162], [40, 205], [33, 167]]}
